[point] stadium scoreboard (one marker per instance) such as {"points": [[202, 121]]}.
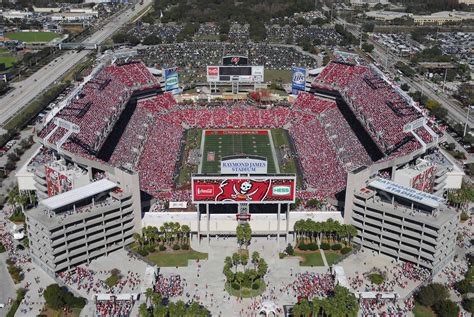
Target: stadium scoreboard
{"points": [[236, 73]]}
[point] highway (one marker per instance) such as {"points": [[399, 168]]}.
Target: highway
{"points": [[26, 90]]}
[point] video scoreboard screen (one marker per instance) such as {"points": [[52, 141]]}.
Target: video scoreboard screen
{"points": [[241, 74], [235, 60], [235, 71]]}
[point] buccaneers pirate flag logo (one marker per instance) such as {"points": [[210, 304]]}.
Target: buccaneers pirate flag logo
{"points": [[243, 190]]}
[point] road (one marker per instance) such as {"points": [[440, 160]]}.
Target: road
{"points": [[455, 112], [26, 90]]}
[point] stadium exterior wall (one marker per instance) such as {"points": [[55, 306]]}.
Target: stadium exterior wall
{"points": [[227, 223]]}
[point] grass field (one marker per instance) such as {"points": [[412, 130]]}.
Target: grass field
{"points": [[33, 36], [423, 311], [6, 57], [310, 258], [332, 256], [175, 258], [112, 280], [277, 75], [245, 292], [49, 312], [231, 144]]}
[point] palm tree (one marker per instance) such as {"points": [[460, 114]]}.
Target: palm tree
{"points": [[180, 308], [297, 230], [172, 309], [317, 304], [236, 260], [136, 237], [148, 295], [351, 232], [192, 309], [176, 230], [244, 260], [255, 258], [163, 231], [160, 311], [297, 311], [156, 299], [186, 231], [143, 310], [239, 277], [317, 229], [228, 261]]}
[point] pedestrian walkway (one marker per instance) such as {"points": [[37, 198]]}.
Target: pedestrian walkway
{"points": [[322, 254]]}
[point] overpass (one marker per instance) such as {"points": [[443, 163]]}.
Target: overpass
{"points": [[78, 46]]}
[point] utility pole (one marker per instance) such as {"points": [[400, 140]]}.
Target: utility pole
{"points": [[467, 119], [445, 73]]}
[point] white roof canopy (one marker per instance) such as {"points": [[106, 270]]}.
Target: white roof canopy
{"points": [[78, 194], [407, 193]]}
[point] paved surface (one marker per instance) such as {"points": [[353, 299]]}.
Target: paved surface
{"points": [[7, 289], [29, 88], [208, 276]]}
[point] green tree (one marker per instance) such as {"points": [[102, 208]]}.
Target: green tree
{"points": [[244, 259], [236, 259], [468, 304], [430, 294], [446, 308], [143, 310], [160, 311], [367, 47], [53, 296], [255, 258], [262, 268], [151, 40], [405, 87], [186, 231], [244, 234]]}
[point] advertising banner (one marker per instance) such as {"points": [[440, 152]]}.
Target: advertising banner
{"points": [[56, 182], [298, 80], [212, 73], [171, 79], [276, 189]]}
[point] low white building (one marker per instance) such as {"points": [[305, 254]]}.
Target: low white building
{"points": [[15, 14], [71, 16], [371, 3]]}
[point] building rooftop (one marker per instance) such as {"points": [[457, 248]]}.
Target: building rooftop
{"points": [[78, 194], [408, 193]]}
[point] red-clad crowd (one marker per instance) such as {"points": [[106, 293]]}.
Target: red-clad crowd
{"points": [[169, 286], [309, 285], [113, 308], [375, 102], [151, 143]]}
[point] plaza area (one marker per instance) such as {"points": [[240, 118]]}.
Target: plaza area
{"points": [[203, 280]]}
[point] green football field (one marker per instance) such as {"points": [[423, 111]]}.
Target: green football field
{"points": [[32, 36], [221, 143]]}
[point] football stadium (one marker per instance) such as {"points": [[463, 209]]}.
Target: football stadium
{"points": [[121, 148]]}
